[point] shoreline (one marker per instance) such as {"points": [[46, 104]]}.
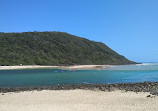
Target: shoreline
{"points": [[85, 97], [151, 87], [53, 67], [69, 67]]}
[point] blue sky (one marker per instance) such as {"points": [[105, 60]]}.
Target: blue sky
{"points": [[130, 27]]}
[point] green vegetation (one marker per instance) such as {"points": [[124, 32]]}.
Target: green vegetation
{"points": [[54, 48]]}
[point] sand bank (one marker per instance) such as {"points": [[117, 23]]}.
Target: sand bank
{"points": [[84, 67], [77, 100], [59, 67], [25, 67]]}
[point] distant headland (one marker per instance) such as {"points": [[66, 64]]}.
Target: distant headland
{"points": [[55, 48]]}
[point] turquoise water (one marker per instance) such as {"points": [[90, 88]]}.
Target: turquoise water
{"points": [[48, 77]]}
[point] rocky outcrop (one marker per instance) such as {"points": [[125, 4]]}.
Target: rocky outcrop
{"points": [[151, 87]]}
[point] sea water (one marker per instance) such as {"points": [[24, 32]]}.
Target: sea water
{"points": [[49, 77]]}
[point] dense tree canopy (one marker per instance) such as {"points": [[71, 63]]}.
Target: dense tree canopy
{"points": [[54, 48]]}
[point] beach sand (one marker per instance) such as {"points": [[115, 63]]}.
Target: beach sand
{"points": [[85, 67], [58, 67], [26, 67], [77, 100]]}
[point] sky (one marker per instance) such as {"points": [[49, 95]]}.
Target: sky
{"points": [[130, 27]]}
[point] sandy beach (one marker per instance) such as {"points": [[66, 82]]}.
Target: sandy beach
{"points": [[77, 100], [59, 67]]}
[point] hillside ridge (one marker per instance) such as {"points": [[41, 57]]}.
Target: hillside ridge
{"points": [[55, 48]]}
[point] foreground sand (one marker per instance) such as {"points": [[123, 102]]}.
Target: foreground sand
{"points": [[60, 67], [77, 100]]}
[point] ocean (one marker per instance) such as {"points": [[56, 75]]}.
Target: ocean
{"points": [[49, 77]]}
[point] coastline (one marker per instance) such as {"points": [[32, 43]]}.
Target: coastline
{"points": [[151, 87], [53, 67], [80, 97], [92, 97]]}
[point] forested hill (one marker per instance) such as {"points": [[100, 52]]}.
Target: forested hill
{"points": [[54, 48]]}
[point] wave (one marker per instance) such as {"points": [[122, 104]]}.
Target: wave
{"points": [[147, 64], [144, 66]]}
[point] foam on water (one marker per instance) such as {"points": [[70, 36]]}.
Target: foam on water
{"points": [[143, 66]]}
